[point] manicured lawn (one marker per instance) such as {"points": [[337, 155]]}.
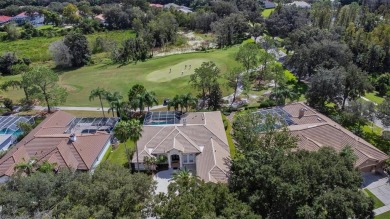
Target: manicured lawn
{"points": [[37, 48], [118, 156], [267, 12], [81, 81], [374, 98], [385, 215], [377, 203]]}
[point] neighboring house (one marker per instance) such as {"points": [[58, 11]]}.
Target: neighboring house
{"points": [[315, 130], [178, 7], [268, 5], [9, 130], [69, 142], [300, 4], [4, 19], [156, 5], [35, 18], [100, 18], [195, 141]]}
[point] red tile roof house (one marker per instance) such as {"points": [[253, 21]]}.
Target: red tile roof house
{"points": [[77, 143], [195, 141], [315, 130], [4, 19]]}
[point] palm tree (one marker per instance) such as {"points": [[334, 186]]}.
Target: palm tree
{"points": [[115, 101], [176, 102], [281, 93], [26, 167], [150, 99], [189, 101], [122, 133], [135, 134], [150, 163], [46, 167], [100, 93], [126, 130]]}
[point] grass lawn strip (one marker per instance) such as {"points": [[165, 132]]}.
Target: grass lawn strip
{"points": [[385, 215], [374, 98], [377, 203], [118, 156], [267, 12]]}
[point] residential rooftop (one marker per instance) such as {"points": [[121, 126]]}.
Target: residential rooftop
{"points": [[198, 134], [316, 130], [62, 139]]}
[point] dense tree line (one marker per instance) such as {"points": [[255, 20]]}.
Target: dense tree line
{"points": [[111, 192]]}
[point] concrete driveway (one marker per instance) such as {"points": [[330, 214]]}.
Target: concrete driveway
{"points": [[163, 179], [379, 185]]}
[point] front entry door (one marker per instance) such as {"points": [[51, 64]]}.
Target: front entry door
{"points": [[175, 161]]}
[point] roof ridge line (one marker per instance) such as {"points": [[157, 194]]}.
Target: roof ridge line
{"points": [[189, 139], [216, 135], [154, 136], [162, 140], [79, 154]]}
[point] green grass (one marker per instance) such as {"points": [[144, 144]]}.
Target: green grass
{"points": [[37, 48], [81, 81], [228, 131], [118, 156], [107, 154], [377, 203], [267, 12], [385, 215], [373, 134], [374, 98]]}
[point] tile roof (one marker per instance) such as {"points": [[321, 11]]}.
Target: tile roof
{"points": [[203, 134], [315, 130], [4, 19], [48, 142]]}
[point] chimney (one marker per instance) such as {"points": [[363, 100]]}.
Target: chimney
{"points": [[72, 138], [302, 112], [184, 122]]}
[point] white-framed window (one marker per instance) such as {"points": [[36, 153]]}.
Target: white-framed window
{"points": [[188, 158]]}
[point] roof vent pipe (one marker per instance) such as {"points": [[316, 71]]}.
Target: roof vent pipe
{"points": [[72, 138], [302, 112]]}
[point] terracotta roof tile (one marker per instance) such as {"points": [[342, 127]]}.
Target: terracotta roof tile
{"points": [[314, 134], [48, 142]]}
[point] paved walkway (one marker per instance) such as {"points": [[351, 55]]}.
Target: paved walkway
{"points": [[379, 185]]}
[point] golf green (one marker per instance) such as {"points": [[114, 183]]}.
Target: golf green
{"points": [[181, 69], [153, 74]]}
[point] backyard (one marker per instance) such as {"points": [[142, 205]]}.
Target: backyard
{"points": [[154, 74]]}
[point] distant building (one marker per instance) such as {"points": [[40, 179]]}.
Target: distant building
{"points": [[100, 18], [300, 4], [181, 8], [35, 18], [156, 5], [67, 141], [269, 5], [4, 19]]}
